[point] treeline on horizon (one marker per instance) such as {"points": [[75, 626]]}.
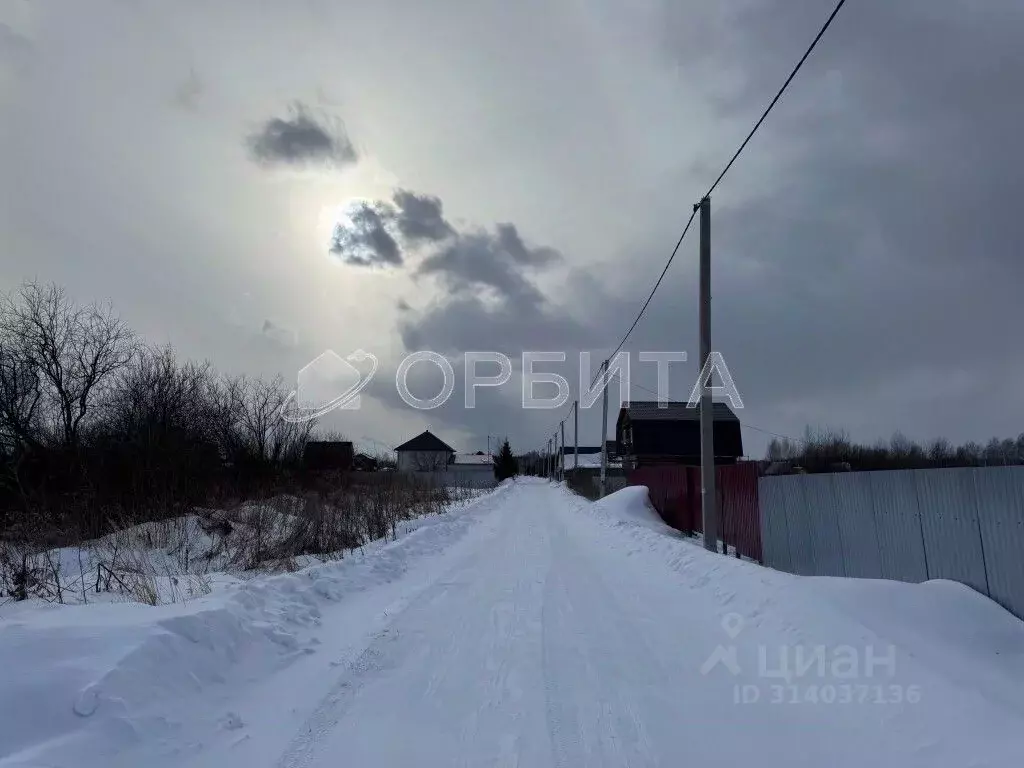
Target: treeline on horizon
{"points": [[825, 450]]}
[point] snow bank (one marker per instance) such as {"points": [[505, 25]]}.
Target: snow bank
{"points": [[100, 666], [945, 635], [631, 506]]}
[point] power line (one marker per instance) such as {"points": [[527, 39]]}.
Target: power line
{"points": [[650, 296], [778, 95], [773, 434], [714, 186], [725, 170]]}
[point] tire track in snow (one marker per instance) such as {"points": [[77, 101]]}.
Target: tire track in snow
{"points": [[593, 718], [383, 652]]}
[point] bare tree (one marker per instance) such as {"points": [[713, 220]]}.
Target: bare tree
{"points": [[259, 431], [20, 395], [73, 352], [430, 461]]}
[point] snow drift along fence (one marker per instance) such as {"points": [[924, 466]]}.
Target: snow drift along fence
{"points": [[965, 524], [675, 492]]}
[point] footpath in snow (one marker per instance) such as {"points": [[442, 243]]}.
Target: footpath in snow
{"points": [[528, 628]]}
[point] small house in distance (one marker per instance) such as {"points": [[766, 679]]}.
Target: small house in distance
{"points": [[328, 455], [363, 462], [589, 456], [648, 434], [424, 453], [473, 466]]}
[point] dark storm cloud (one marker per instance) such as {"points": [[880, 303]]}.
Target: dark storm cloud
{"points": [[420, 217], [463, 262], [497, 260], [855, 290], [365, 241], [862, 285], [301, 139]]}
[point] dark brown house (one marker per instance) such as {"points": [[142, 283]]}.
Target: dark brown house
{"points": [[325, 456], [648, 435]]}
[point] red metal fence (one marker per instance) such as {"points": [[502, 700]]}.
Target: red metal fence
{"points": [[675, 493]]}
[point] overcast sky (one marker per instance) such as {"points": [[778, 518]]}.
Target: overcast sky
{"points": [[256, 182]]}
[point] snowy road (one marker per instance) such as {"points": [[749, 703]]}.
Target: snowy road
{"points": [[546, 631]]}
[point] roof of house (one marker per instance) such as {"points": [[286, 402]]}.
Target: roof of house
{"points": [[426, 441], [588, 461], [674, 431], [649, 410], [473, 458]]}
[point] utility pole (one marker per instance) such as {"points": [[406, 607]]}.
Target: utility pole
{"points": [[576, 435], [563, 450], [708, 495], [604, 429], [557, 452]]}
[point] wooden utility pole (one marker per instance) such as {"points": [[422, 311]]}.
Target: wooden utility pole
{"points": [[708, 495]]}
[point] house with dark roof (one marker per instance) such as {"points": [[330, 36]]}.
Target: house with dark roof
{"points": [[424, 453], [327, 455], [650, 433]]}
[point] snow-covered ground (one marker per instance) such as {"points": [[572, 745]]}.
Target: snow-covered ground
{"points": [[528, 627]]}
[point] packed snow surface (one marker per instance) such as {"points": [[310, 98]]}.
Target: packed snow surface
{"points": [[528, 628]]}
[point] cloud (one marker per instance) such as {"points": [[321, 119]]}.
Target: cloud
{"points": [[381, 232], [420, 217], [497, 260], [301, 140], [364, 240], [402, 305], [188, 92], [15, 50], [279, 334]]}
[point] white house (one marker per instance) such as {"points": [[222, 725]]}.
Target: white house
{"points": [[424, 453], [481, 464]]}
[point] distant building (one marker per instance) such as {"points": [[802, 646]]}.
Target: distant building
{"points": [[362, 462], [584, 450], [647, 434], [589, 457], [424, 453], [327, 455], [468, 466]]}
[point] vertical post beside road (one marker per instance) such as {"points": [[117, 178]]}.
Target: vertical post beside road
{"points": [[547, 461], [604, 428], [575, 435], [708, 495], [562, 455]]}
